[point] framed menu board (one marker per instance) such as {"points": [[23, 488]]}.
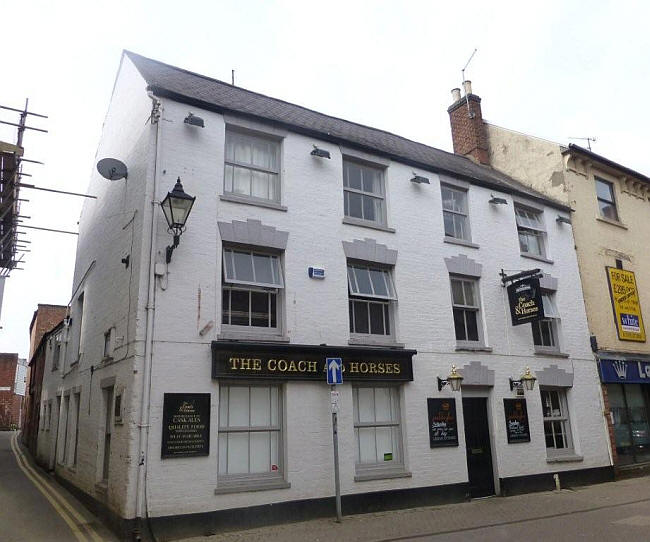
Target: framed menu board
{"points": [[186, 425], [443, 424], [516, 420]]}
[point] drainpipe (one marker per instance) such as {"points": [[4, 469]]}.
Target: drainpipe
{"points": [[143, 426]]}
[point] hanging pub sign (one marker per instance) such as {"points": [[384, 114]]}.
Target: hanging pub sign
{"points": [[443, 427], [232, 359], [525, 297], [186, 425], [625, 302], [516, 420]]}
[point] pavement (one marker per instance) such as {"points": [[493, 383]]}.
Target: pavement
{"points": [[610, 511], [34, 507]]}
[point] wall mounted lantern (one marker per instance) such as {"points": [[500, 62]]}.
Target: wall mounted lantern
{"points": [[321, 153], [454, 380], [193, 120], [176, 207], [527, 381]]}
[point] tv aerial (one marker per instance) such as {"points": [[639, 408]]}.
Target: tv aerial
{"points": [[112, 169]]}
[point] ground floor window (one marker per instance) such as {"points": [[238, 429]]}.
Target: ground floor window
{"points": [[377, 428], [250, 432], [557, 429], [629, 405]]}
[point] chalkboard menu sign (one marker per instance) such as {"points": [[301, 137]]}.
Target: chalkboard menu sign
{"points": [[516, 420], [443, 428], [525, 297], [186, 425]]}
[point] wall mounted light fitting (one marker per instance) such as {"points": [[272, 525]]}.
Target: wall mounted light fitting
{"points": [[454, 380]]}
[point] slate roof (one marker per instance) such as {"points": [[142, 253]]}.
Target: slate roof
{"points": [[211, 94]]}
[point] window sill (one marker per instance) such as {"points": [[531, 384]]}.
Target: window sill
{"points": [[541, 351], [229, 335], [461, 242], [242, 487], [372, 341], [382, 475], [367, 224], [249, 201], [470, 348], [612, 222], [564, 458], [537, 258], [101, 487]]}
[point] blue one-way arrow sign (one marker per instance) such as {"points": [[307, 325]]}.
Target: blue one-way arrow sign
{"points": [[334, 371]]}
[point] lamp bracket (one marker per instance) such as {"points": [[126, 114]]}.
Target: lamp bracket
{"points": [[517, 276], [442, 383]]}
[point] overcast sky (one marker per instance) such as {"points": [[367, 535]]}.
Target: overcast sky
{"points": [[556, 70]]}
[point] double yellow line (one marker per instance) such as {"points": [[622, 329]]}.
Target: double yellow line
{"points": [[82, 530]]}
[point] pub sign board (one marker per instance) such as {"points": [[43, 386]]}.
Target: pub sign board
{"points": [[517, 427], [525, 298], [232, 359], [443, 424], [186, 425], [626, 305]]}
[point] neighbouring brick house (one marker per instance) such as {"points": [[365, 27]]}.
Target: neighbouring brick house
{"points": [[12, 390], [45, 318], [192, 389]]}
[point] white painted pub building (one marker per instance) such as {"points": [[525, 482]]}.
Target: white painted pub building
{"points": [[189, 387]]}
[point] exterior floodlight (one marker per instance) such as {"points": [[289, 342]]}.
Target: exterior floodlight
{"points": [[176, 207], [193, 120], [527, 381], [321, 153], [498, 201], [563, 220], [419, 179], [454, 380]]}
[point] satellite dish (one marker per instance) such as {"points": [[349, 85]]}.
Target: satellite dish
{"points": [[111, 169]]}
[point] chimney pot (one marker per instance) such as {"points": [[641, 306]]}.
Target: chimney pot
{"points": [[455, 94], [467, 85]]}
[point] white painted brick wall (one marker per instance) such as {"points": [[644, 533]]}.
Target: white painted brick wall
{"points": [[315, 312]]}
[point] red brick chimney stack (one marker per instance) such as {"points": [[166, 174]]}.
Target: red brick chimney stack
{"points": [[467, 130]]}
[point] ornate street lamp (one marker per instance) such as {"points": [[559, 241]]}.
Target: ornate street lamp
{"points": [[454, 380], [527, 381], [176, 207]]}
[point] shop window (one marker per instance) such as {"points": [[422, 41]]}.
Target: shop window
{"points": [[606, 200], [250, 435], [557, 429], [546, 331], [252, 166], [466, 311], [252, 282], [371, 296], [454, 212], [363, 193], [531, 231], [629, 414], [377, 430]]}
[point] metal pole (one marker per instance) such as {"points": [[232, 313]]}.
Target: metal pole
{"points": [[337, 482]]}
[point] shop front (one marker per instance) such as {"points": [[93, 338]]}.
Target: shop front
{"points": [[627, 382]]}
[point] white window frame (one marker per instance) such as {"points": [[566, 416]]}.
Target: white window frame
{"points": [[387, 468], [109, 337], [552, 321], [613, 202], [381, 195], [232, 135], [386, 298], [530, 222], [475, 308], [271, 479], [230, 283], [463, 214], [81, 299], [56, 351], [562, 418]]}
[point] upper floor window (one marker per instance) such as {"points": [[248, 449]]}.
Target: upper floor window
{"points": [[79, 327], [56, 352], [454, 211], [363, 192], [371, 293], [251, 285], [531, 231], [546, 331], [606, 200], [252, 166], [466, 310]]}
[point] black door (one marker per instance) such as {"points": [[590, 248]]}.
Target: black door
{"points": [[477, 440]]}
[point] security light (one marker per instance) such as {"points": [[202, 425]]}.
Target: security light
{"points": [[193, 120], [321, 153]]}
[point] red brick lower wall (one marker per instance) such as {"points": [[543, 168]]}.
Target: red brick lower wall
{"points": [[610, 425], [9, 410]]}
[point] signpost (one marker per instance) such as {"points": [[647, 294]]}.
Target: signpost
{"points": [[335, 376]]}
